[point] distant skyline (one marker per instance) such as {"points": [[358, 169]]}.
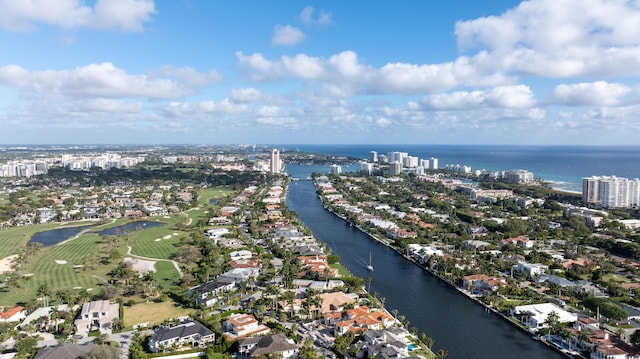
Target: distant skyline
{"points": [[542, 72]]}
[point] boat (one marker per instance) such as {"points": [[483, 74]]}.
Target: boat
{"points": [[370, 266]]}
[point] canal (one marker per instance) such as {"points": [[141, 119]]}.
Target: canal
{"points": [[455, 322]]}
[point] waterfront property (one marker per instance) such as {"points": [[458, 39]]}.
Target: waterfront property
{"points": [[535, 316]]}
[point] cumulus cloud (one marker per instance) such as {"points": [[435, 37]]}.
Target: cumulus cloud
{"points": [[554, 39], [519, 96], [599, 93], [124, 15], [306, 16], [105, 80], [287, 35], [344, 75], [246, 95]]}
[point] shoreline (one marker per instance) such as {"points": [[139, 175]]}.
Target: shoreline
{"points": [[487, 307]]}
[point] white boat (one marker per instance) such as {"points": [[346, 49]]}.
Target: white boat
{"points": [[370, 266]]}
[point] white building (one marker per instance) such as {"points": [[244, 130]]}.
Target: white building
{"points": [[395, 168], [537, 314], [335, 169], [366, 167], [518, 176], [410, 162], [373, 156], [275, 164], [611, 191]]}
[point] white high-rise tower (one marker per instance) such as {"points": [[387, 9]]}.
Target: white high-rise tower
{"points": [[274, 164]]}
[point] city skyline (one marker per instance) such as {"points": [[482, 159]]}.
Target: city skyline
{"points": [[197, 72]]}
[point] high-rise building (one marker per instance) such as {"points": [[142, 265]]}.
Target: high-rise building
{"points": [[611, 191], [395, 168], [274, 164], [396, 156], [373, 156], [366, 167], [410, 162], [433, 163], [335, 169], [518, 176]]}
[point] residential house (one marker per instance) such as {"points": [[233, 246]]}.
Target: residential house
{"points": [[396, 233], [358, 319], [186, 335], [519, 241], [238, 326], [530, 269], [208, 293], [67, 351], [534, 316], [14, 314], [274, 344], [97, 315], [480, 283]]}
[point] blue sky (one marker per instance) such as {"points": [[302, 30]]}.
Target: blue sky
{"points": [[320, 72]]}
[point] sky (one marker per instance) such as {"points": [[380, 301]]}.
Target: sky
{"points": [[547, 72]]}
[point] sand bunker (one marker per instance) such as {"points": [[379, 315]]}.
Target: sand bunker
{"points": [[61, 261], [5, 263], [142, 266]]}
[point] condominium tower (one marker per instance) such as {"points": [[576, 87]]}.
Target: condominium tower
{"points": [[611, 191], [274, 164]]}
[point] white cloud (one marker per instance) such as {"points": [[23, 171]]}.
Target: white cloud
{"points": [[124, 15], [287, 122], [560, 39], [343, 75], [519, 96], [191, 77], [246, 95], [287, 35], [105, 80], [306, 16], [599, 93]]}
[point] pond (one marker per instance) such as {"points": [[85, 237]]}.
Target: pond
{"points": [[213, 201], [55, 236], [129, 227]]}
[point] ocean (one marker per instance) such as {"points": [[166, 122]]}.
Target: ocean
{"points": [[563, 166]]}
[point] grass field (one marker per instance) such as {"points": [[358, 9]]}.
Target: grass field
{"points": [[45, 269], [344, 273], [153, 313], [213, 193], [56, 276], [54, 266], [166, 273], [12, 239]]}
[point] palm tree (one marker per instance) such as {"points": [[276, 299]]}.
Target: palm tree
{"points": [[551, 322], [44, 293], [273, 291]]}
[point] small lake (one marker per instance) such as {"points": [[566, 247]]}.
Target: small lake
{"points": [[129, 227], [54, 236], [213, 201]]}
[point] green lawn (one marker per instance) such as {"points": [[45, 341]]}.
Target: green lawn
{"points": [[76, 252], [166, 273], [344, 273], [59, 275], [158, 242], [214, 193], [12, 239]]}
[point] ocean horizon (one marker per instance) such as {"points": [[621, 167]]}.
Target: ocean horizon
{"points": [[563, 166]]}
